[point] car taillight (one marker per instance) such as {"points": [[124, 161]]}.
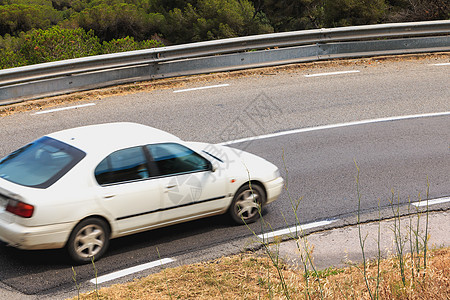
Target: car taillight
{"points": [[19, 208]]}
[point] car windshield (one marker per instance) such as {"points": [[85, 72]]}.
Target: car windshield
{"points": [[40, 163]]}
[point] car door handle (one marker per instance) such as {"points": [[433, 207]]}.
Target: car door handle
{"points": [[171, 186], [109, 196]]}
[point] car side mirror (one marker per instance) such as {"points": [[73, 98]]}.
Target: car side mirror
{"points": [[213, 167]]}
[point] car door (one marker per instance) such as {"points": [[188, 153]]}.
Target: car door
{"points": [[127, 191], [189, 187]]}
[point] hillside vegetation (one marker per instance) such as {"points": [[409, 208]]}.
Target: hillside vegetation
{"points": [[36, 31]]}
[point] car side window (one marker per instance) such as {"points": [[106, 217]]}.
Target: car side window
{"points": [[121, 166], [172, 158]]}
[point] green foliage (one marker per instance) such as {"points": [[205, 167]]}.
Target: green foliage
{"points": [[213, 19], [164, 6], [353, 12], [58, 43], [286, 15], [116, 21], [10, 56], [18, 17], [128, 44], [70, 5], [11, 59], [330, 271]]}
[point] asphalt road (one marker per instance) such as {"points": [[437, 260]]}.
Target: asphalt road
{"points": [[394, 155]]}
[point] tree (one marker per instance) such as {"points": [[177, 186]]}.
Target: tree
{"points": [[213, 19], [117, 21], [288, 15], [15, 18], [354, 12], [420, 10]]}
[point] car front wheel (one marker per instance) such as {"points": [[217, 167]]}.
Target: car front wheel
{"points": [[247, 204], [89, 239]]}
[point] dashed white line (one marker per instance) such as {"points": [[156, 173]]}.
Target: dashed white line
{"points": [[332, 73], [301, 130], [295, 229], [431, 202], [202, 88], [62, 108], [443, 64], [125, 272]]}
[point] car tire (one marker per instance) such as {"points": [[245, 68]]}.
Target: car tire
{"points": [[247, 204], [88, 240]]}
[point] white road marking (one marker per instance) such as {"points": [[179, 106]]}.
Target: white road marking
{"points": [[125, 272], [332, 73], [295, 229], [301, 130], [63, 108], [431, 202], [443, 64], [202, 88]]}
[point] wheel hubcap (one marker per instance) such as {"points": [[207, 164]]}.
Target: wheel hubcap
{"points": [[247, 204], [89, 241]]}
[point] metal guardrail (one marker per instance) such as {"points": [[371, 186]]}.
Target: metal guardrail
{"points": [[54, 78]]}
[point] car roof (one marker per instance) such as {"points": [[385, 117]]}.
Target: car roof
{"points": [[108, 137]]}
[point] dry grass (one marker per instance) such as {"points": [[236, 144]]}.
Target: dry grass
{"points": [[247, 276], [147, 86]]}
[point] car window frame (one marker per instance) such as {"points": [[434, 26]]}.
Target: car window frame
{"points": [[147, 164], [152, 166], [159, 175]]}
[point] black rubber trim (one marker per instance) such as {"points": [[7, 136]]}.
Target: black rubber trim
{"points": [[169, 208]]}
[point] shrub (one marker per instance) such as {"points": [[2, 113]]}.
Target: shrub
{"points": [[128, 44], [59, 43], [11, 59]]}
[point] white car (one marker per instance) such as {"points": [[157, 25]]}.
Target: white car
{"points": [[81, 187]]}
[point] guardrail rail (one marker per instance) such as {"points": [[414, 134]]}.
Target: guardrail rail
{"points": [[61, 77]]}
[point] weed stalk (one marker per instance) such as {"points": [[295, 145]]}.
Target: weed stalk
{"points": [[306, 258], [274, 258], [362, 240], [74, 277], [96, 277], [425, 242], [399, 243]]}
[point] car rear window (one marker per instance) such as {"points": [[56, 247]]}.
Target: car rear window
{"points": [[40, 163]]}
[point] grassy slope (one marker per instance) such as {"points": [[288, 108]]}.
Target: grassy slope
{"points": [[248, 276]]}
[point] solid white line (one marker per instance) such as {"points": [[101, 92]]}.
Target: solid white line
{"points": [[431, 202], [125, 272], [201, 88], [295, 229], [301, 130], [443, 64], [332, 73], [63, 108]]}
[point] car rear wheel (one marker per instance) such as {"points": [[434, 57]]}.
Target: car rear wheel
{"points": [[89, 239], [247, 204]]}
